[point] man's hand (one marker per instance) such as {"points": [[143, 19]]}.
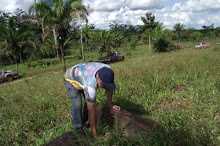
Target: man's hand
{"points": [[109, 96], [115, 107]]}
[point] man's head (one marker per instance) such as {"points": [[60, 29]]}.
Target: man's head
{"points": [[105, 79]]}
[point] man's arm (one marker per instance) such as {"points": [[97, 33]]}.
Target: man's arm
{"points": [[109, 96], [92, 118]]}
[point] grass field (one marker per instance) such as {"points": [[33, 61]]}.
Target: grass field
{"points": [[180, 90]]}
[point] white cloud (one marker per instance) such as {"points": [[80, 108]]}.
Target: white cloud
{"points": [[191, 13], [107, 5], [144, 4], [8, 5], [12, 5], [197, 5]]}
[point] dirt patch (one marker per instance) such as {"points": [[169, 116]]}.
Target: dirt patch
{"points": [[177, 89], [130, 124], [67, 139]]}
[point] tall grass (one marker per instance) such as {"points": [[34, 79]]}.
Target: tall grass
{"points": [[178, 89]]}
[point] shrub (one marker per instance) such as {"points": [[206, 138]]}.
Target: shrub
{"points": [[44, 62], [162, 45]]}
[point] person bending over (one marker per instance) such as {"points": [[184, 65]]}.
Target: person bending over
{"points": [[82, 80]]}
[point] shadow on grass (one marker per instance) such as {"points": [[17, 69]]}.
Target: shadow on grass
{"points": [[131, 106]]}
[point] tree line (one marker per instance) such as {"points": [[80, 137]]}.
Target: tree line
{"points": [[54, 28]]}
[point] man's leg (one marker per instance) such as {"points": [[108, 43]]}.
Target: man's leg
{"points": [[76, 109]]}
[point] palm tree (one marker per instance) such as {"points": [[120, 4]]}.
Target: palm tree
{"points": [[15, 38], [158, 31], [104, 39], [57, 19], [149, 24], [178, 28]]}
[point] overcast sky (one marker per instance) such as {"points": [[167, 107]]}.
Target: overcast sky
{"points": [[191, 13]]}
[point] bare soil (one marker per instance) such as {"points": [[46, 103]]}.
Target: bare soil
{"points": [[130, 124]]}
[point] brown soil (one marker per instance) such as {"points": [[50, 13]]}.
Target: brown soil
{"points": [[67, 139], [177, 89], [130, 124]]}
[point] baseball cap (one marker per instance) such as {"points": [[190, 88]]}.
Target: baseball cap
{"points": [[107, 77]]}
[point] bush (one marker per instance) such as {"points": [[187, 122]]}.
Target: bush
{"points": [[44, 62], [162, 45]]}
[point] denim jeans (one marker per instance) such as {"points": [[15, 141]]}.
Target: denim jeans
{"points": [[79, 115]]}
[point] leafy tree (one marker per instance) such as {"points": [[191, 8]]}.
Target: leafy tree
{"points": [[149, 23], [207, 29], [117, 39], [104, 39], [168, 34], [191, 34], [178, 29], [58, 15], [16, 37], [157, 31], [145, 37], [124, 29], [47, 48]]}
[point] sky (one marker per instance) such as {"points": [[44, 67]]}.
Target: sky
{"points": [[191, 13]]}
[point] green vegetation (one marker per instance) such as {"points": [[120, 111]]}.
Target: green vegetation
{"points": [[179, 89], [55, 29]]}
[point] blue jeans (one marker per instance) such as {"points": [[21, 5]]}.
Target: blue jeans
{"points": [[79, 115]]}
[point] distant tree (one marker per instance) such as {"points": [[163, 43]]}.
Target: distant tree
{"points": [[157, 31], [162, 39], [168, 34], [47, 47], [124, 29], [178, 29], [118, 39], [16, 38], [217, 32], [149, 23], [192, 35], [116, 27], [207, 29], [104, 39]]}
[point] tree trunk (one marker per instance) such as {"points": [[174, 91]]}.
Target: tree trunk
{"points": [[149, 44], [20, 56], [63, 58], [83, 56], [87, 36], [42, 27], [87, 43], [55, 41], [16, 62]]}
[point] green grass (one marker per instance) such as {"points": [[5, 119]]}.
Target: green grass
{"points": [[37, 110]]}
